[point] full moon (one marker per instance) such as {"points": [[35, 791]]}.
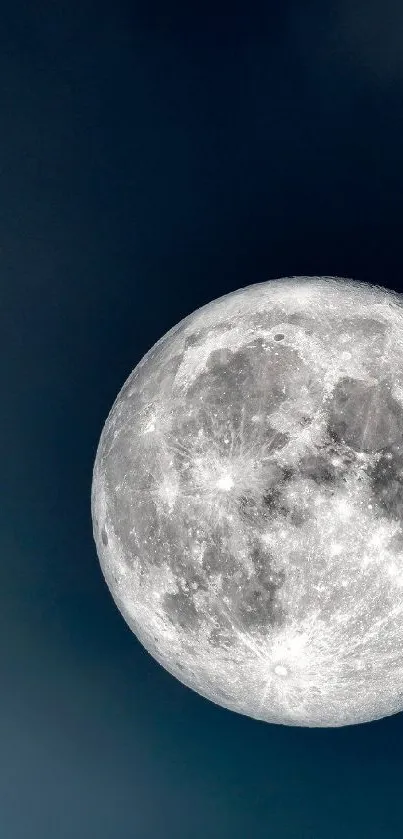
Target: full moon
{"points": [[247, 501]]}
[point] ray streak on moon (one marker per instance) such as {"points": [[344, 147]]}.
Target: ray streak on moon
{"points": [[247, 501]]}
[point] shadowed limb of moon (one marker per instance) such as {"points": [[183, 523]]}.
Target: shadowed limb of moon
{"points": [[247, 501]]}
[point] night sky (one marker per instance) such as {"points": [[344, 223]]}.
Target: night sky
{"points": [[154, 156]]}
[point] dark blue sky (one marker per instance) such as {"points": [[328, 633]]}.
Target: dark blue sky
{"points": [[154, 156]]}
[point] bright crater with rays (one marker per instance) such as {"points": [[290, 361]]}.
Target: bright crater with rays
{"points": [[247, 501]]}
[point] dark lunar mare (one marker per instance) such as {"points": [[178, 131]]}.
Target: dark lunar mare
{"points": [[367, 418], [364, 416], [386, 478]]}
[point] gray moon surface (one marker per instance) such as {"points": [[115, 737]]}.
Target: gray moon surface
{"points": [[247, 501]]}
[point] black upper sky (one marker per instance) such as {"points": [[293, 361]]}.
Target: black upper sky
{"points": [[154, 156]]}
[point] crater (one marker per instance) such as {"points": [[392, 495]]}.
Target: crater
{"points": [[104, 536]]}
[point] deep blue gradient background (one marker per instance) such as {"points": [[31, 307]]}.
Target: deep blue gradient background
{"points": [[154, 156]]}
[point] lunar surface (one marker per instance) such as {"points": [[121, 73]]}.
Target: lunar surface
{"points": [[247, 501]]}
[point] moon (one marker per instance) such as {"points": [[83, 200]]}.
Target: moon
{"points": [[247, 501]]}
